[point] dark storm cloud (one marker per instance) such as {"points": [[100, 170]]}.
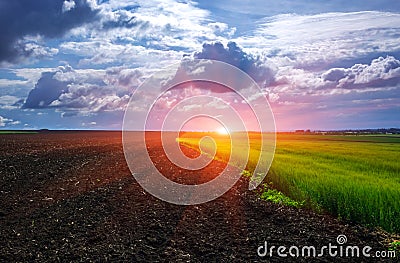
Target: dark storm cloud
{"points": [[86, 90], [48, 18], [234, 55], [47, 90]]}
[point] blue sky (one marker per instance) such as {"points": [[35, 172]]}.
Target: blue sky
{"points": [[322, 64]]}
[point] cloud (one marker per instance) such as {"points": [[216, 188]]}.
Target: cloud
{"points": [[89, 124], [245, 10], [8, 102], [12, 82], [153, 20], [234, 55], [381, 72], [362, 89], [144, 33], [105, 52], [47, 18], [314, 41], [6, 122], [85, 90], [30, 75], [92, 98], [68, 5], [124, 77], [46, 90]]}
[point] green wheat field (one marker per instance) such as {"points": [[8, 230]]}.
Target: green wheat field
{"points": [[353, 177]]}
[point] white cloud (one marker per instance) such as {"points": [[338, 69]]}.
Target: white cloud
{"points": [[106, 52], [6, 122], [34, 51], [92, 98], [31, 75], [5, 83], [378, 80], [381, 73], [88, 124], [80, 75], [68, 5], [325, 37], [313, 28], [8, 102], [147, 32]]}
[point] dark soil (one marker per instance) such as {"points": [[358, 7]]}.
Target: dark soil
{"points": [[69, 196]]}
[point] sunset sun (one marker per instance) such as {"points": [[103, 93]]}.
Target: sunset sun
{"points": [[222, 131]]}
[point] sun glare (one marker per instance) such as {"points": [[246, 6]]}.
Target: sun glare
{"points": [[222, 131]]}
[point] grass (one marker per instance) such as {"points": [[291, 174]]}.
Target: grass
{"points": [[278, 197], [395, 245], [352, 177], [268, 193]]}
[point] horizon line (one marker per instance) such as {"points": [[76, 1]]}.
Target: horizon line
{"points": [[202, 131]]}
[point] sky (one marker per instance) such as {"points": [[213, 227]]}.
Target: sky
{"points": [[322, 65]]}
